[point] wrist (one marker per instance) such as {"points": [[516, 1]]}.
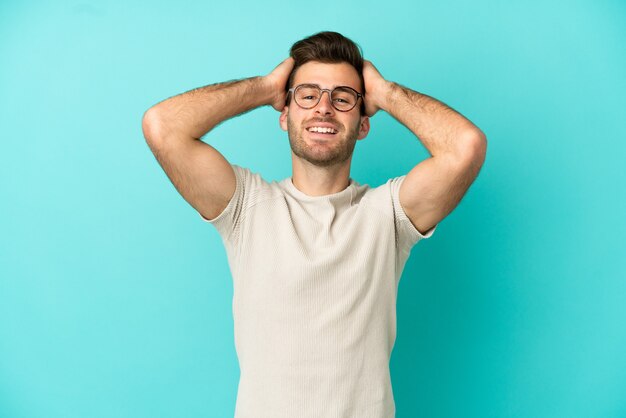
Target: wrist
{"points": [[261, 90], [382, 94], [274, 91]]}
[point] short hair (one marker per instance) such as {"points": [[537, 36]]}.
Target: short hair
{"points": [[330, 48]]}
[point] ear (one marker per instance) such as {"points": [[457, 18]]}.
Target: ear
{"points": [[364, 127], [282, 119]]}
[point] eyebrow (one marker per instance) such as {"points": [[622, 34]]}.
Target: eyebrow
{"points": [[334, 87]]}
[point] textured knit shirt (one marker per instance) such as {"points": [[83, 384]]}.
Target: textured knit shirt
{"points": [[315, 281]]}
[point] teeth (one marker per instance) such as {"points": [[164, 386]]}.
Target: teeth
{"points": [[322, 130]]}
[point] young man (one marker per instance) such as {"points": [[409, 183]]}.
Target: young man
{"points": [[316, 258]]}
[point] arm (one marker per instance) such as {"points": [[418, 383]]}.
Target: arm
{"points": [[173, 128], [435, 186]]}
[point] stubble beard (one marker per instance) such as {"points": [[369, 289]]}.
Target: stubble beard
{"points": [[333, 152]]}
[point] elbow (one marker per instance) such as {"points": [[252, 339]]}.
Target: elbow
{"points": [[150, 123], [479, 143], [474, 147]]}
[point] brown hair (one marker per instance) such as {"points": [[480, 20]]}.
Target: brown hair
{"points": [[330, 48]]}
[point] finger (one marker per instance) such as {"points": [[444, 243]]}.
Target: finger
{"points": [[288, 63]]}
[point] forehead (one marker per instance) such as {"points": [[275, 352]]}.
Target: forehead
{"points": [[328, 75]]}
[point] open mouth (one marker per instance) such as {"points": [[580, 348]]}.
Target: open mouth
{"points": [[322, 130]]}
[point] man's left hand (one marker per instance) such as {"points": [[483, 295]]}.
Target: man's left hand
{"points": [[376, 88]]}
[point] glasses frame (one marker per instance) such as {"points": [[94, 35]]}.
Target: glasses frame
{"points": [[330, 96]]}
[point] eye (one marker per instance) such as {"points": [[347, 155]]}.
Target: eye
{"points": [[307, 93]]}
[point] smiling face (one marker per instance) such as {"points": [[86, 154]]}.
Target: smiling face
{"points": [[322, 135]]}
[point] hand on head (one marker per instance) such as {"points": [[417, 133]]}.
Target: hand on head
{"points": [[374, 88], [278, 80]]}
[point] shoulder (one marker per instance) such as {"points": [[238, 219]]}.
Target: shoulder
{"points": [[381, 197], [254, 187], [386, 199]]}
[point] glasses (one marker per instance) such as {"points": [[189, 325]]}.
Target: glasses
{"points": [[343, 98]]}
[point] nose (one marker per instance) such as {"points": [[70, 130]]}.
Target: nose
{"points": [[325, 106]]}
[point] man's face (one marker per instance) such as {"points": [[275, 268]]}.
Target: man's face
{"points": [[324, 149]]}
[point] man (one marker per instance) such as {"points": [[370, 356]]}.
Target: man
{"points": [[316, 258]]}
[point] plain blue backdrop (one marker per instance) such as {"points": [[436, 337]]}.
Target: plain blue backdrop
{"points": [[115, 297]]}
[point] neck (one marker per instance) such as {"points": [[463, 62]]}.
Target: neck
{"points": [[314, 180]]}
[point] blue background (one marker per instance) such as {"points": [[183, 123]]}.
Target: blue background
{"points": [[115, 297]]}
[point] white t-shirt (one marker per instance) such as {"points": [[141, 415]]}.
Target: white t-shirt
{"points": [[315, 280]]}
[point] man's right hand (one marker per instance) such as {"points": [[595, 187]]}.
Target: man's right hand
{"points": [[278, 80]]}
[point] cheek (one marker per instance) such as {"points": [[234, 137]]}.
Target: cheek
{"points": [[294, 119], [291, 124], [353, 125]]}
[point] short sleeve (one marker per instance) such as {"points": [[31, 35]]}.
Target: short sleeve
{"points": [[228, 221], [407, 234]]}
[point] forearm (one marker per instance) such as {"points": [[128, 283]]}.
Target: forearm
{"points": [[440, 128], [194, 113]]}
